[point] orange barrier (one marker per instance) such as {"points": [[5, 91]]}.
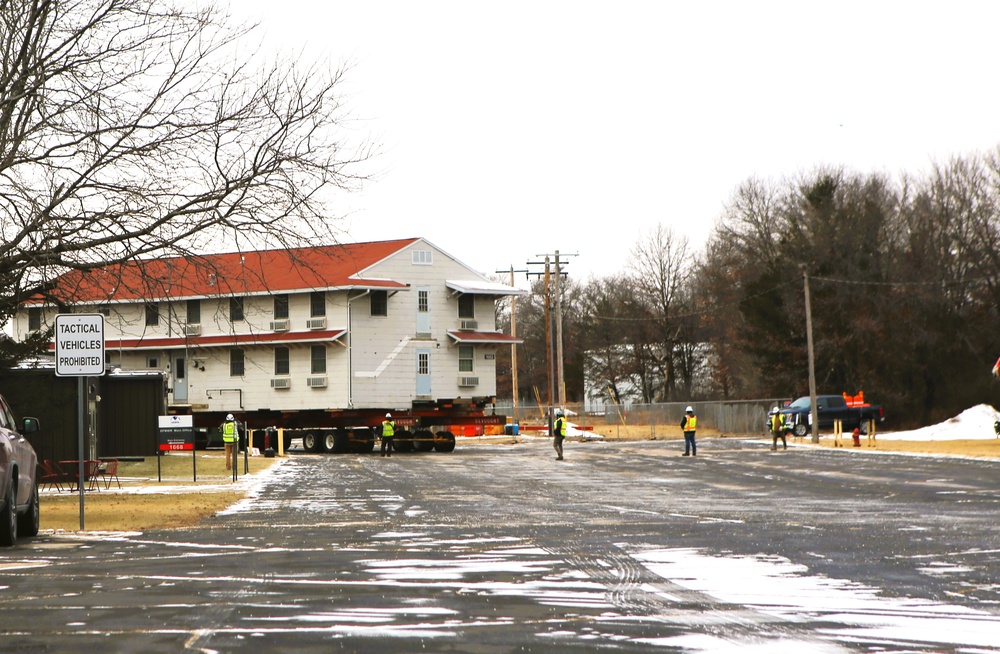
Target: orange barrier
{"points": [[855, 400]]}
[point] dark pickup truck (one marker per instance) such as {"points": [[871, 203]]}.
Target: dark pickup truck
{"points": [[828, 409]]}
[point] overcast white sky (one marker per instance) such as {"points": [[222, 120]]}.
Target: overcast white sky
{"points": [[512, 129]]}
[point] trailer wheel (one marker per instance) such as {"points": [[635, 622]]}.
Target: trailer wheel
{"points": [[336, 441], [362, 441], [403, 440], [423, 440], [311, 442], [444, 441]]}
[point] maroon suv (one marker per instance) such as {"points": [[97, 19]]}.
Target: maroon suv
{"points": [[18, 465]]}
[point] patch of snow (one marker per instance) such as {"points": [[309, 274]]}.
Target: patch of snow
{"points": [[974, 423]]}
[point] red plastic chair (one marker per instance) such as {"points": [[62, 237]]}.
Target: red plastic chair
{"points": [[109, 471], [52, 476]]}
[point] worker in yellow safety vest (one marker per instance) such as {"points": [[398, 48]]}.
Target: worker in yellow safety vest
{"points": [[688, 425], [230, 436], [559, 433], [778, 429], [388, 431]]}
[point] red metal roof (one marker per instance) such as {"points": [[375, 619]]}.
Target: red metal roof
{"points": [[233, 273], [220, 340]]}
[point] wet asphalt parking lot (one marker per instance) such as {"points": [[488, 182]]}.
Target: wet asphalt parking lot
{"points": [[497, 548]]}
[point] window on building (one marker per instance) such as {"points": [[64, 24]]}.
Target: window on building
{"points": [[152, 314], [34, 319], [153, 362], [281, 306], [236, 309], [467, 306], [318, 360], [423, 304], [317, 304], [465, 358], [237, 363], [194, 312], [281, 361], [423, 257], [380, 303]]}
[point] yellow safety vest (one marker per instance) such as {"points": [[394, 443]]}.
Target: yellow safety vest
{"points": [[388, 428], [560, 426], [692, 422], [777, 421], [229, 432]]}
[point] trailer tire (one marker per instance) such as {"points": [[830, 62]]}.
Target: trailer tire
{"points": [[336, 441], [311, 442], [423, 440], [363, 441], [403, 441], [444, 441]]}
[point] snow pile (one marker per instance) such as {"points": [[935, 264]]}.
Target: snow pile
{"points": [[974, 423]]}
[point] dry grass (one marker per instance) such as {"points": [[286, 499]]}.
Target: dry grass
{"points": [[130, 511]]}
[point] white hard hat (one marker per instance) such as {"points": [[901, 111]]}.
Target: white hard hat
{"points": [[229, 416], [774, 410], [388, 415], [559, 412], [689, 410]]}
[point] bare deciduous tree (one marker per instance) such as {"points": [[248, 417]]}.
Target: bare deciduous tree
{"points": [[132, 128], [660, 269]]}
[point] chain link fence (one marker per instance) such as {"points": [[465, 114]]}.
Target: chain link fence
{"points": [[743, 417]]}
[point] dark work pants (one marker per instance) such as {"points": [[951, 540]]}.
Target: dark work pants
{"points": [[387, 446], [689, 444], [777, 435]]}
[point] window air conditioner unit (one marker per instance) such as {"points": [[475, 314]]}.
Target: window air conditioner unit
{"points": [[468, 381], [280, 325], [192, 330], [316, 323], [468, 324], [316, 382], [281, 382]]}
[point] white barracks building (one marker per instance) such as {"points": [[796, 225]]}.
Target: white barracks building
{"points": [[370, 325]]}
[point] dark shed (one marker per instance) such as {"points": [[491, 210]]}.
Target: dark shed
{"points": [[121, 411]]}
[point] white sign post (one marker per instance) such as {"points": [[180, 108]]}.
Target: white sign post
{"points": [[80, 354]]}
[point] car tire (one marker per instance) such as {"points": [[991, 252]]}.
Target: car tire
{"points": [[8, 518], [801, 429], [29, 521]]}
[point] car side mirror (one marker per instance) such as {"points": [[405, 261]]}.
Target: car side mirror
{"points": [[30, 425]]}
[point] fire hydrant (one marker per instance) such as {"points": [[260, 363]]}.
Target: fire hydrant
{"points": [[857, 437]]}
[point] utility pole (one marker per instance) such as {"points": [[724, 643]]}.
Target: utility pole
{"points": [[560, 377], [812, 363], [555, 368], [513, 346], [548, 335]]}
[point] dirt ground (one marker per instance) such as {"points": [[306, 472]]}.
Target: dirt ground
{"points": [[184, 502]]}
